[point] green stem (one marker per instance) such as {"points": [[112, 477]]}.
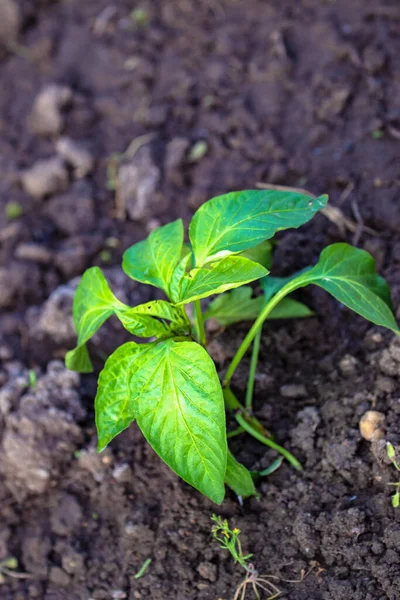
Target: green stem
{"points": [[234, 405], [201, 333], [268, 442], [253, 368], [258, 323], [253, 426]]}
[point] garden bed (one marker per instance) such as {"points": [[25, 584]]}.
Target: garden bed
{"points": [[207, 99]]}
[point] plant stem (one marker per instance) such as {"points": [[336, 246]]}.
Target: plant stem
{"points": [[235, 406], [268, 442], [254, 427], [253, 368], [258, 323], [201, 333]]}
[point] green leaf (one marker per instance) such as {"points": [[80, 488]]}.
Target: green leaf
{"points": [[93, 303], [178, 277], [235, 222], [78, 359], [140, 320], [114, 401], [239, 305], [235, 306], [261, 254], [349, 275], [396, 499], [238, 478], [215, 278], [290, 309], [153, 260], [391, 452], [173, 391]]}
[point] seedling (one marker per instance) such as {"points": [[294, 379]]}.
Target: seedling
{"points": [[13, 210], [169, 385], [391, 452], [230, 540]]}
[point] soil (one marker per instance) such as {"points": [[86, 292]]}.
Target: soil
{"points": [[291, 93]]}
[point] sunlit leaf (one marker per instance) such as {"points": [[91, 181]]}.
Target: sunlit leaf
{"points": [[173, 391], [93, 303], [235, 222], [153, 260], [215, 278], [349, 275]]}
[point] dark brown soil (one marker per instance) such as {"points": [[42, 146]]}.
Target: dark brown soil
{"points": [[291, 93]]}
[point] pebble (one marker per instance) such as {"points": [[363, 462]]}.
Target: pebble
{"points": [[33, 252], [45, 178], [46, 117], [10, 22], [137, 184], [372, 425], [293, 390], [75, 155]]}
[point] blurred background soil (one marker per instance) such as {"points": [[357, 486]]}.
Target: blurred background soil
{"points": [[118, 117]]}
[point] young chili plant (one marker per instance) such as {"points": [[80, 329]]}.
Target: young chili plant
{"points": [[170, 386]]}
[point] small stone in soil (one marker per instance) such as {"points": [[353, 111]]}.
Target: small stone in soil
{"points": [[75, 155], [46, 117], [372, 425], [45, 177], [293, 390]]}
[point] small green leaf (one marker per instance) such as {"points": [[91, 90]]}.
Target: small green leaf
{"points": [[140, 320], [290, 309], [235, 222], [93, 303], [153, 260], [239, 305], [215, 278], [396, 499], [114, 399], [238, 478], [178, 404], [391, 452], [142, 325], [78, 359], [349, 274], [235, 306], [178, 276]]}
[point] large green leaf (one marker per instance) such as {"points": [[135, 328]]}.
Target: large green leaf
{"points": [[238, 478], [93, 303], [173, 391], [179, 407], [114, 403], [215, 278], [150, 319], [239, 305], [349, 274], [153, 260], [238, 221]]}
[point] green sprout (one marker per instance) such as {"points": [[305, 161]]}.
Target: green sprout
{"points": [[391, 453], [169, 385], [229, 539], [140, 17], [198, 151], [13, 210]]}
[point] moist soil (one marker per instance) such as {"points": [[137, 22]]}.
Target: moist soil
{"points": [[209, 96]]}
